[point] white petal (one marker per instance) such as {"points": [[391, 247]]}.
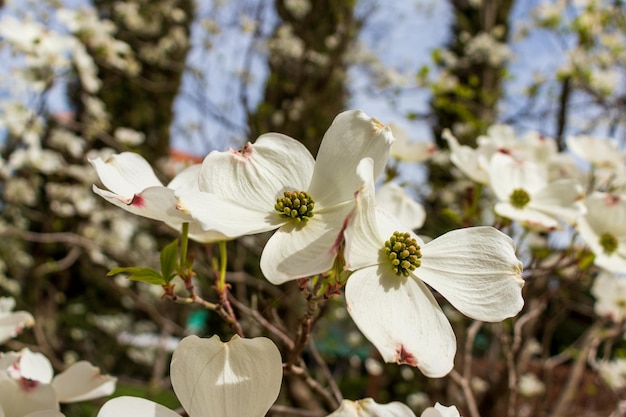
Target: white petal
{"points": [[404, 150], [476, 270], [441, 411], [17, 401], [351, 137], [33, 365], [507, 174], [187, 179], [228, 217], [367, 407], [606, 213], [363, 242], [467, 159], [527, 216], [401, 318], [561, 198], [125, 174], [240, 378], [298, 251], [158, 203], [82, 381], [393, 199], [134, 407], [258, 174], [11, 324]]}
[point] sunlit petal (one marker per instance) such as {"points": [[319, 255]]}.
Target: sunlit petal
{"points": [[82, 381], [476, 270], [401, 318], [240, 378]]}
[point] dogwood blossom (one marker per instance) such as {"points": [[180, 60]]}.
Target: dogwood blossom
{"points": [[240, 378], [603, 228], [475, 269], [404, 150], [276, 184], [12, 322], [610, 293], [440, 410], [134, 187], [27, 384], [526, 195]]}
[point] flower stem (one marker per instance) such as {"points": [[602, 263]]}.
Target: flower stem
{"points": [[184, 243]]}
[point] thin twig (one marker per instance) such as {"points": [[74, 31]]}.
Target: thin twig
{"points": [[467, 392]]}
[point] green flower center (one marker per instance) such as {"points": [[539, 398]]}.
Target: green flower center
{"points": [[608, 242], [295, 205], [519, 198], [403, 252]]}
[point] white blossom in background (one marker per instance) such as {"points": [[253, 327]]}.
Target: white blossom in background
{"points": [[240, 378], [610, 293], [440, 410], [526, 196], [394, 199], [276, 184], [12, 322], [404, 150], [530, 386], [603, 229], [475, 269], [367, 407], [28, 384], [613, 372], [472, 162]]}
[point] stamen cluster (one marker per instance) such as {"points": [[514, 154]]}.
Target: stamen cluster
{"points": [[295, 205], [403, 253], [608, 242], [519, 198]]}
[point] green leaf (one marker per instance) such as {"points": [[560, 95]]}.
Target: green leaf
{"points": [[169, 261], [148, 275]]}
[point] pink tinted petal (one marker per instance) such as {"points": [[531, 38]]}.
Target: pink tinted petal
{"points": [[18, 398], [82, 381], [401, 318], [240, 378], [476, 270], [352, 136], [298, 251], [158, 203], [134, 407], [33, 365], [125, 174], [231, 218], [258, 174]]}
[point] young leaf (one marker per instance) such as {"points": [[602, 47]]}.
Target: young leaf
{"points": [[148, 275], [169, 260]]}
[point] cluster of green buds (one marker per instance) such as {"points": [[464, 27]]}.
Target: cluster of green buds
{"points": [[609, 243], [295, 205], [519, 198], [403, 252]]}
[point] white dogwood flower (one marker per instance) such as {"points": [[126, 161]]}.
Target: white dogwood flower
{"points": [[475, 269], [133, 186], [12, 322], [27, 384], [603, 228], [526, 195], [240, 378], [610, 293], [276, 184]]}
